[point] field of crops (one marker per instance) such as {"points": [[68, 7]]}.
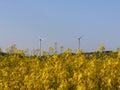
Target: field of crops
{"points": [[97, 71]]}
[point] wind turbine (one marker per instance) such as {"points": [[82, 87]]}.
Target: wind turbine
{"points": [[40, 41], [79, 42]]}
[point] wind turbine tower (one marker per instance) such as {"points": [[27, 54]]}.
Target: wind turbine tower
{"points": [[79, 39]]}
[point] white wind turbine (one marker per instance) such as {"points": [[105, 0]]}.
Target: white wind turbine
{"points": [[79, 41]]}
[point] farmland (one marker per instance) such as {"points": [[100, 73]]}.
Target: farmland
{"points": [[96, 71]]}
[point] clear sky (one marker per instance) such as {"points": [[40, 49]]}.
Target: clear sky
{"points": [[23, 21]]}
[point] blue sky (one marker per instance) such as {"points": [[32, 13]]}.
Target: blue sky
{"points": [[23, 21]]}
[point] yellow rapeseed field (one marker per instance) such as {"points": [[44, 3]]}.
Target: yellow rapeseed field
{"points": [[97, 71]]}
